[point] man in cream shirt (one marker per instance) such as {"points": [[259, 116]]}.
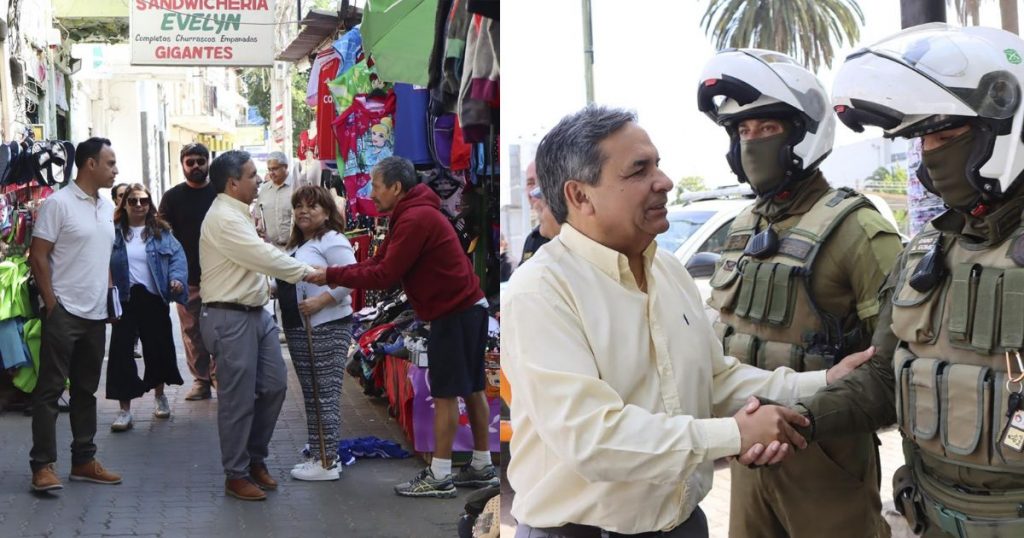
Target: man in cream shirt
{"points": [[251, 374], [622, 397]]}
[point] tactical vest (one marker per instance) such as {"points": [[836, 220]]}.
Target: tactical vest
{"points": [[952, 391], [768, 316]]}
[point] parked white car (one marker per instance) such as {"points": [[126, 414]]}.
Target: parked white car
{"points": [[698, 230]]}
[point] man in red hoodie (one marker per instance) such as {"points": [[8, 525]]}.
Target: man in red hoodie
{"points": [[423, 253]]}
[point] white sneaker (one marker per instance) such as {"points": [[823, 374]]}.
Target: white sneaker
{"points": [[313, 470], [163, 409], [123, 422]]}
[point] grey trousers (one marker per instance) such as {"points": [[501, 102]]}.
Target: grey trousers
{"points": [[696, 526], [71, 348], [251, 383]]}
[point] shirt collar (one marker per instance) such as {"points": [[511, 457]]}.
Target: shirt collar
{"points": [[233, 203], [79, 193], [609, 261]]}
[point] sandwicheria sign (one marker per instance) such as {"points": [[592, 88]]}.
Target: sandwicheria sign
{"points": [[202, 32]]}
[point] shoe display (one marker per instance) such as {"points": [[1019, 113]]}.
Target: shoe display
{"points": [[163, 409], [45, 479], [471, 477], [244, 489], [314, 470], [123, 422], [426, 485], [94, 472], [261, 476], [200, 391]]}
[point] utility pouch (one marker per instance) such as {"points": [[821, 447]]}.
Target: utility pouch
{"points": [[965, 408], [746, 293], [986, 310], [772, 355], [1011, 330], [762, 291], [780, 306], [962, 294], [722, 331], [743, 347], [924, 404], [907, 499]]}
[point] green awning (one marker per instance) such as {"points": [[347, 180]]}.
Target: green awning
{"points": [[399, 34]]}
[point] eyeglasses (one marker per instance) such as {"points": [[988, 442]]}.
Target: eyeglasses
{"points": [[276, 168], [536, 194], [137, 201], [195, 162]]}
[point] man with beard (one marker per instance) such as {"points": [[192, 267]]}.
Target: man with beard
{"points": [[796, 286], [948, 365], [184, 206]]}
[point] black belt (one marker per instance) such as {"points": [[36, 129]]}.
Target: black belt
{"points": [[233, 306]]}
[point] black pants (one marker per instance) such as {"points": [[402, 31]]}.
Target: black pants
{"points": [[71, 348], [149, 317], [455, 353]]}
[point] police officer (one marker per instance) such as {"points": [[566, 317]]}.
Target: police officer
{"points": [[947, 367], [796, 286]]}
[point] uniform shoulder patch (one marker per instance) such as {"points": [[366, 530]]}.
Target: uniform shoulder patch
{"points": [[796, 248], [1017, 251], [737, 242]]}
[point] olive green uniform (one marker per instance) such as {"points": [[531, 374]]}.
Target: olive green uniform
{"points": [[940, 372], [804, 307]]}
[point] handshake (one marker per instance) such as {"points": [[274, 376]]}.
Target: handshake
{"points": [[768, 432], [317, 276]]}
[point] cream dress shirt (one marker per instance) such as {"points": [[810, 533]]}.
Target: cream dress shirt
{"points": [[274, 205], [614, 391], [234, 259]]}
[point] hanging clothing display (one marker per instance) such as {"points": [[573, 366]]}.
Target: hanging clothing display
{"points": [[362, 79], [365, 134], [325, 111], [313, 85], [479, 87], [348, 47], [411, 103]]}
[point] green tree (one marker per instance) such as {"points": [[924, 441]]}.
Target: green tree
{"points": [[688, 184], [256, 90], [808, 31], [887, 181]]}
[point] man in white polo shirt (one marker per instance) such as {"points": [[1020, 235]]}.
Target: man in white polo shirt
{"points": [[70, 258]]}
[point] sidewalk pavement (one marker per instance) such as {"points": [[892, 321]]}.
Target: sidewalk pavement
{"points": [[174, 484], [716, 504]]}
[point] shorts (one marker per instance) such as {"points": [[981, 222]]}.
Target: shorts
{"points": [[455, 353]]}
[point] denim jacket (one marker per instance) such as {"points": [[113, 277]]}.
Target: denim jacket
{"points": [[166, 263]]}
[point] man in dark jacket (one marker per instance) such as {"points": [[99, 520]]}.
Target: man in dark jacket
{"points": [[423, 254]]}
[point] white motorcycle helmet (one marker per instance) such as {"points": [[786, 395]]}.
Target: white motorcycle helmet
{"points": [[739, 84], [934, 77]]}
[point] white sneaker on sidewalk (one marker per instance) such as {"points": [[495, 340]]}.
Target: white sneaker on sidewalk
{"points": [[314, 470], [163, 409], [123, 422]]}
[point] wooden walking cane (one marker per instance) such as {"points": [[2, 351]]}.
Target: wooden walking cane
{"points": [[316, 389]]}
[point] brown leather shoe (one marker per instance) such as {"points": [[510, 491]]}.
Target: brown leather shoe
{"points": [[244, 489], [94, 472], [45, 479], [260, 475]]}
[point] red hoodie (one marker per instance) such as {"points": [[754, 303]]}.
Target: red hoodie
{"points": [[422, 253]]}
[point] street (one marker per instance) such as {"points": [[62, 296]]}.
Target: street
{"points": [[174, 484]]}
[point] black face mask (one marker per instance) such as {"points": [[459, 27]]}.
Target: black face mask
{"points": [[947, 168], [760, 159]]}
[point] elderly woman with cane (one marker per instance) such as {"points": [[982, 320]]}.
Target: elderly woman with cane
{"points": [[317, 325]]}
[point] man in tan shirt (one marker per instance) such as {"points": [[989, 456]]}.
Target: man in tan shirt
{"points": [[251, 374], [617, 376]]}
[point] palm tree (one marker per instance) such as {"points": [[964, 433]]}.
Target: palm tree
{"points": [[810, 31]]}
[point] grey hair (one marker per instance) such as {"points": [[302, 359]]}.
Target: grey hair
{"points": [[570, 151], [226, 165], [278, 156], [395, 168]]}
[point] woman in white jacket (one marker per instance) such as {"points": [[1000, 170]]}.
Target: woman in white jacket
{"points": [[317, 238]]}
